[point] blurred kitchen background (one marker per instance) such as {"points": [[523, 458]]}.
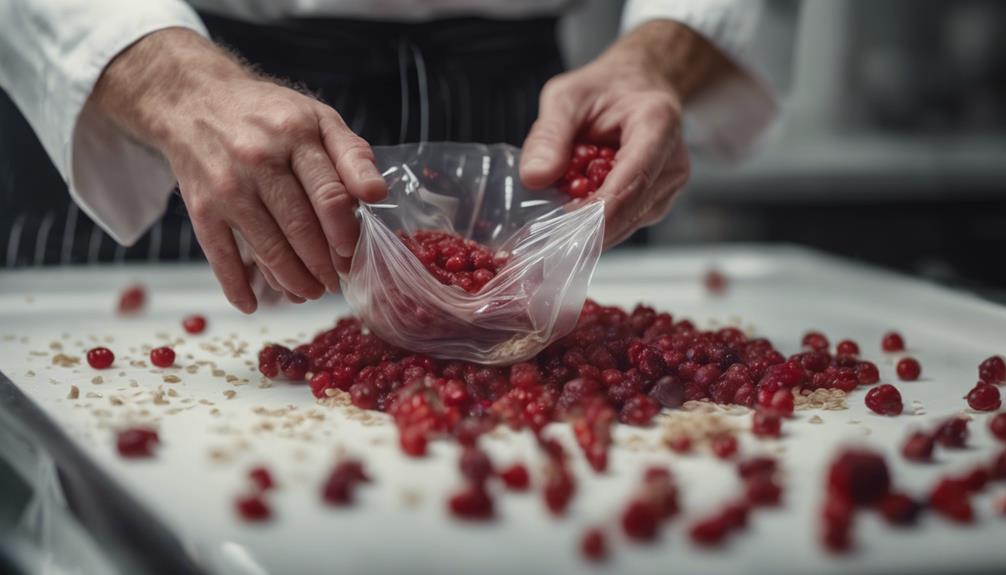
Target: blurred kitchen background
{"points": [[891, 148]]}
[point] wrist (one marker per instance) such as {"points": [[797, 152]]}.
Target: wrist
{"points": [[145, 87]]}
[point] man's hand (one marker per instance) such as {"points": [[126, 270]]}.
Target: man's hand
{"points": [[629, 97], [253, 158]]}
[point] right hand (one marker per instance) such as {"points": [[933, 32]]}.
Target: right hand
{"points": [[253, 159]]}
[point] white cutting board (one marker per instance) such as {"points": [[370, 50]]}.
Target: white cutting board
{"points": [[400, 523]]}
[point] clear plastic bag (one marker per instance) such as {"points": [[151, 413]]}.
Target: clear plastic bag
{"points": [[472, 190]]}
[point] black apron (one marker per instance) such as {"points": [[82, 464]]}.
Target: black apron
{"points": [[467, 80]]}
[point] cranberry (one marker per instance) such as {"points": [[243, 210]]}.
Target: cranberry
{"points": [[952, 432], [860, 476], [950, 498], [592, 545], [976, 479], [816, 341], [412, 440], [763, 491], [918, 447], [998, 468], [899, 509], [597, 170], [294, 365], [997, 425], [475, 465], [847, 347], [338, 490], [867, 373], [680, 444], [724, 446], [984, 397], [135, 442], [261, 477], [885, 400], [162, 356], [471, 503], [559, 488], [760, 466], [588, 169], [132, 299], [516, 477], [640, 520], [363, 395], [100, 357], [709, 532], [714, 281], [908, 369], [766, 424], [194, 324], [892, 341], [252, 507], [992, 370], [639, 410]]}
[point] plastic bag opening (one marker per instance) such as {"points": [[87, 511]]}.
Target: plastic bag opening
{"points": [[472, 190]]}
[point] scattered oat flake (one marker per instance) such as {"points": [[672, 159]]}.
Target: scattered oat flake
{"points": [[172, 393], [93, 395], [230, 393], [97, 380], [74, 392], [30, 373], [815, 419], [63, 360], [171, 379]]}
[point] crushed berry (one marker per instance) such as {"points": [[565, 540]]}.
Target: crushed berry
{"points": [[100, 357], [908, 369], [454, 260], [516, 477], [252, 507], [342, 482], [984, 397], [892, 342], [162, 356], [132, 299], [884, 400], [992, 370], [135, 442], [194, 324]]}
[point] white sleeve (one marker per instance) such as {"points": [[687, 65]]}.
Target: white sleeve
{"points": [[51, 54], [757, 35]]}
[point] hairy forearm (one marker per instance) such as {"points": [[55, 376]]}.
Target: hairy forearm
{"points": [[681, 56], [145, 85]]}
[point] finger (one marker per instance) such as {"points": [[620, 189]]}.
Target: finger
{"points": [[275, 290], [549, 144], [217, 241], [331, 201], [286, 200], [271, 247], [648, 207], [352, 157]]}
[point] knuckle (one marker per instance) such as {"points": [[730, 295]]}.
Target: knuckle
{"points": [[333, 199], [253, 151], [555, 86], [662, 107], [272, 252], [356, 148], [198, 208], [289, 120], [226, 186]]}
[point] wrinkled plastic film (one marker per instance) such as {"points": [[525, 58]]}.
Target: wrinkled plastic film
{"points": [[473, 190]]}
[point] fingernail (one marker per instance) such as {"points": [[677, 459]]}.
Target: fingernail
{"points": [[536, 163], [345, 250]]}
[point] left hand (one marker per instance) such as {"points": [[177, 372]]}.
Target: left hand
{"points": [[631, 98]]}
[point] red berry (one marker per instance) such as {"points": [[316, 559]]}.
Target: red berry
{"points": [[892, 341], [885, 400], [763, 491], [992, 370], [997, 425], [252, 508], [475, 465], [597, 170], [194, 324], [760, 466], [952, 432], [847, 347], [559, 488], [899, 509], [724, 446], [100, 357], [867, 373], [585, 151], [338, 489], [680, 444], [908, 369], [816, 341], [471, 503], [714, 281], [162, 356], [766, 424], [918, 447], [860, 476], [132, 299], [640, 520], [984, 397], [950, 498], [581, 187], [516, 477], [709, 532], [606, 153], [592, 545], [136, 442], [261, 477], [412, 440]]}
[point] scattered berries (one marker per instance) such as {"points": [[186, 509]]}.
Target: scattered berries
{"points": [[162, 356], [252, 507], [984, 397], [194, 324], [908, 369], [992, 370], [132, 299], [885, 400], [892, 342], [454, 260], [100, 357], [516, 477], [136, 442]]}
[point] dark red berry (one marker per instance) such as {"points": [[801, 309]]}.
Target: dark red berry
{"points": [[100, 357], [867, 373], [952, 433], [763, 491], [516, 477], [816, 341], [194, 324], [558, 489], [471, 503], [640, 520], [342, 482], [918, 447], [162, 356], [724, 446], [984, 397], [951, 499], [252, 507], [714, 281], [899, 509], [997, 425], [892, 341], [709, 532], [412, 440], [860, 476], [992, 370], [885, 400], [847, 347], [592, 545], [908, 369], [261, 477], [475, 465], [136, 442], [766, 424], [680, 444], [132, 299]]}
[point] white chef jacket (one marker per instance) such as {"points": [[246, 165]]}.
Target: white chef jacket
{"points": [[53, 51]]}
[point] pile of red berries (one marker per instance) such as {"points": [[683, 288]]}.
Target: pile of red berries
{"points": [[454, 260], [587, 170]]}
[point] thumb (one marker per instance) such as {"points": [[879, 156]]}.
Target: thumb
{"points": [[352, 157], [549, 144]]}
